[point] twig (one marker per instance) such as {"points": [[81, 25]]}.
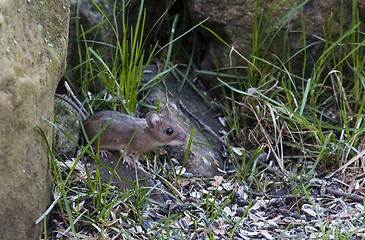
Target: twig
{"points": [[204, 126], [353, 197], [168, 183], [72, 103], [74, 98]]}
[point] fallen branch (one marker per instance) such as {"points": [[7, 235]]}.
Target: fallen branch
{"points": [[353, 197], [204, 126]]}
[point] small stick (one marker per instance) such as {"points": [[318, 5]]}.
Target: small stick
{"points": [[353, 197], [74, 98], [336, 193], [168, 183], [202, 124], [73, 104]]}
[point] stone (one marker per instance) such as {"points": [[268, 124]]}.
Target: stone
{"points": [[67, 119], [33, 44], [125, 176], [204, 154], [233, 21]]}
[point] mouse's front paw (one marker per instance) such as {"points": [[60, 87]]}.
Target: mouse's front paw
{"points": [[104, 153]]}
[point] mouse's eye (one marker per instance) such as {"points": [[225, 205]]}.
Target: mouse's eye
{"points": [[169, 131]]}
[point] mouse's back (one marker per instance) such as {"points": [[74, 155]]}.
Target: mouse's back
{"points": [[118, 132]]}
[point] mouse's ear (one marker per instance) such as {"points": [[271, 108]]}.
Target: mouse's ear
{"points": [[153, 119], [165, 111]]}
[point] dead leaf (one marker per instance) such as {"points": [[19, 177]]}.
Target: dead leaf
{"points": [[218, 181]]}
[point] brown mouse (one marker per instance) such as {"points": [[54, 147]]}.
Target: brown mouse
{"points": [[153, 131]]}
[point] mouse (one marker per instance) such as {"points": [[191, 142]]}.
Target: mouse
{"points": [[142, 134]]}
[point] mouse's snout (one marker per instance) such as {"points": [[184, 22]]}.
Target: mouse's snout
{"points": [[183, 137]]}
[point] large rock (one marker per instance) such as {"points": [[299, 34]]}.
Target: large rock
{"points": [[234, 22], [204, 155], [67, 119], [33, 43]]}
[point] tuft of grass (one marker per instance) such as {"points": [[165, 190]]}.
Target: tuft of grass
{"points": [[122, 79], [119, 66]]}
